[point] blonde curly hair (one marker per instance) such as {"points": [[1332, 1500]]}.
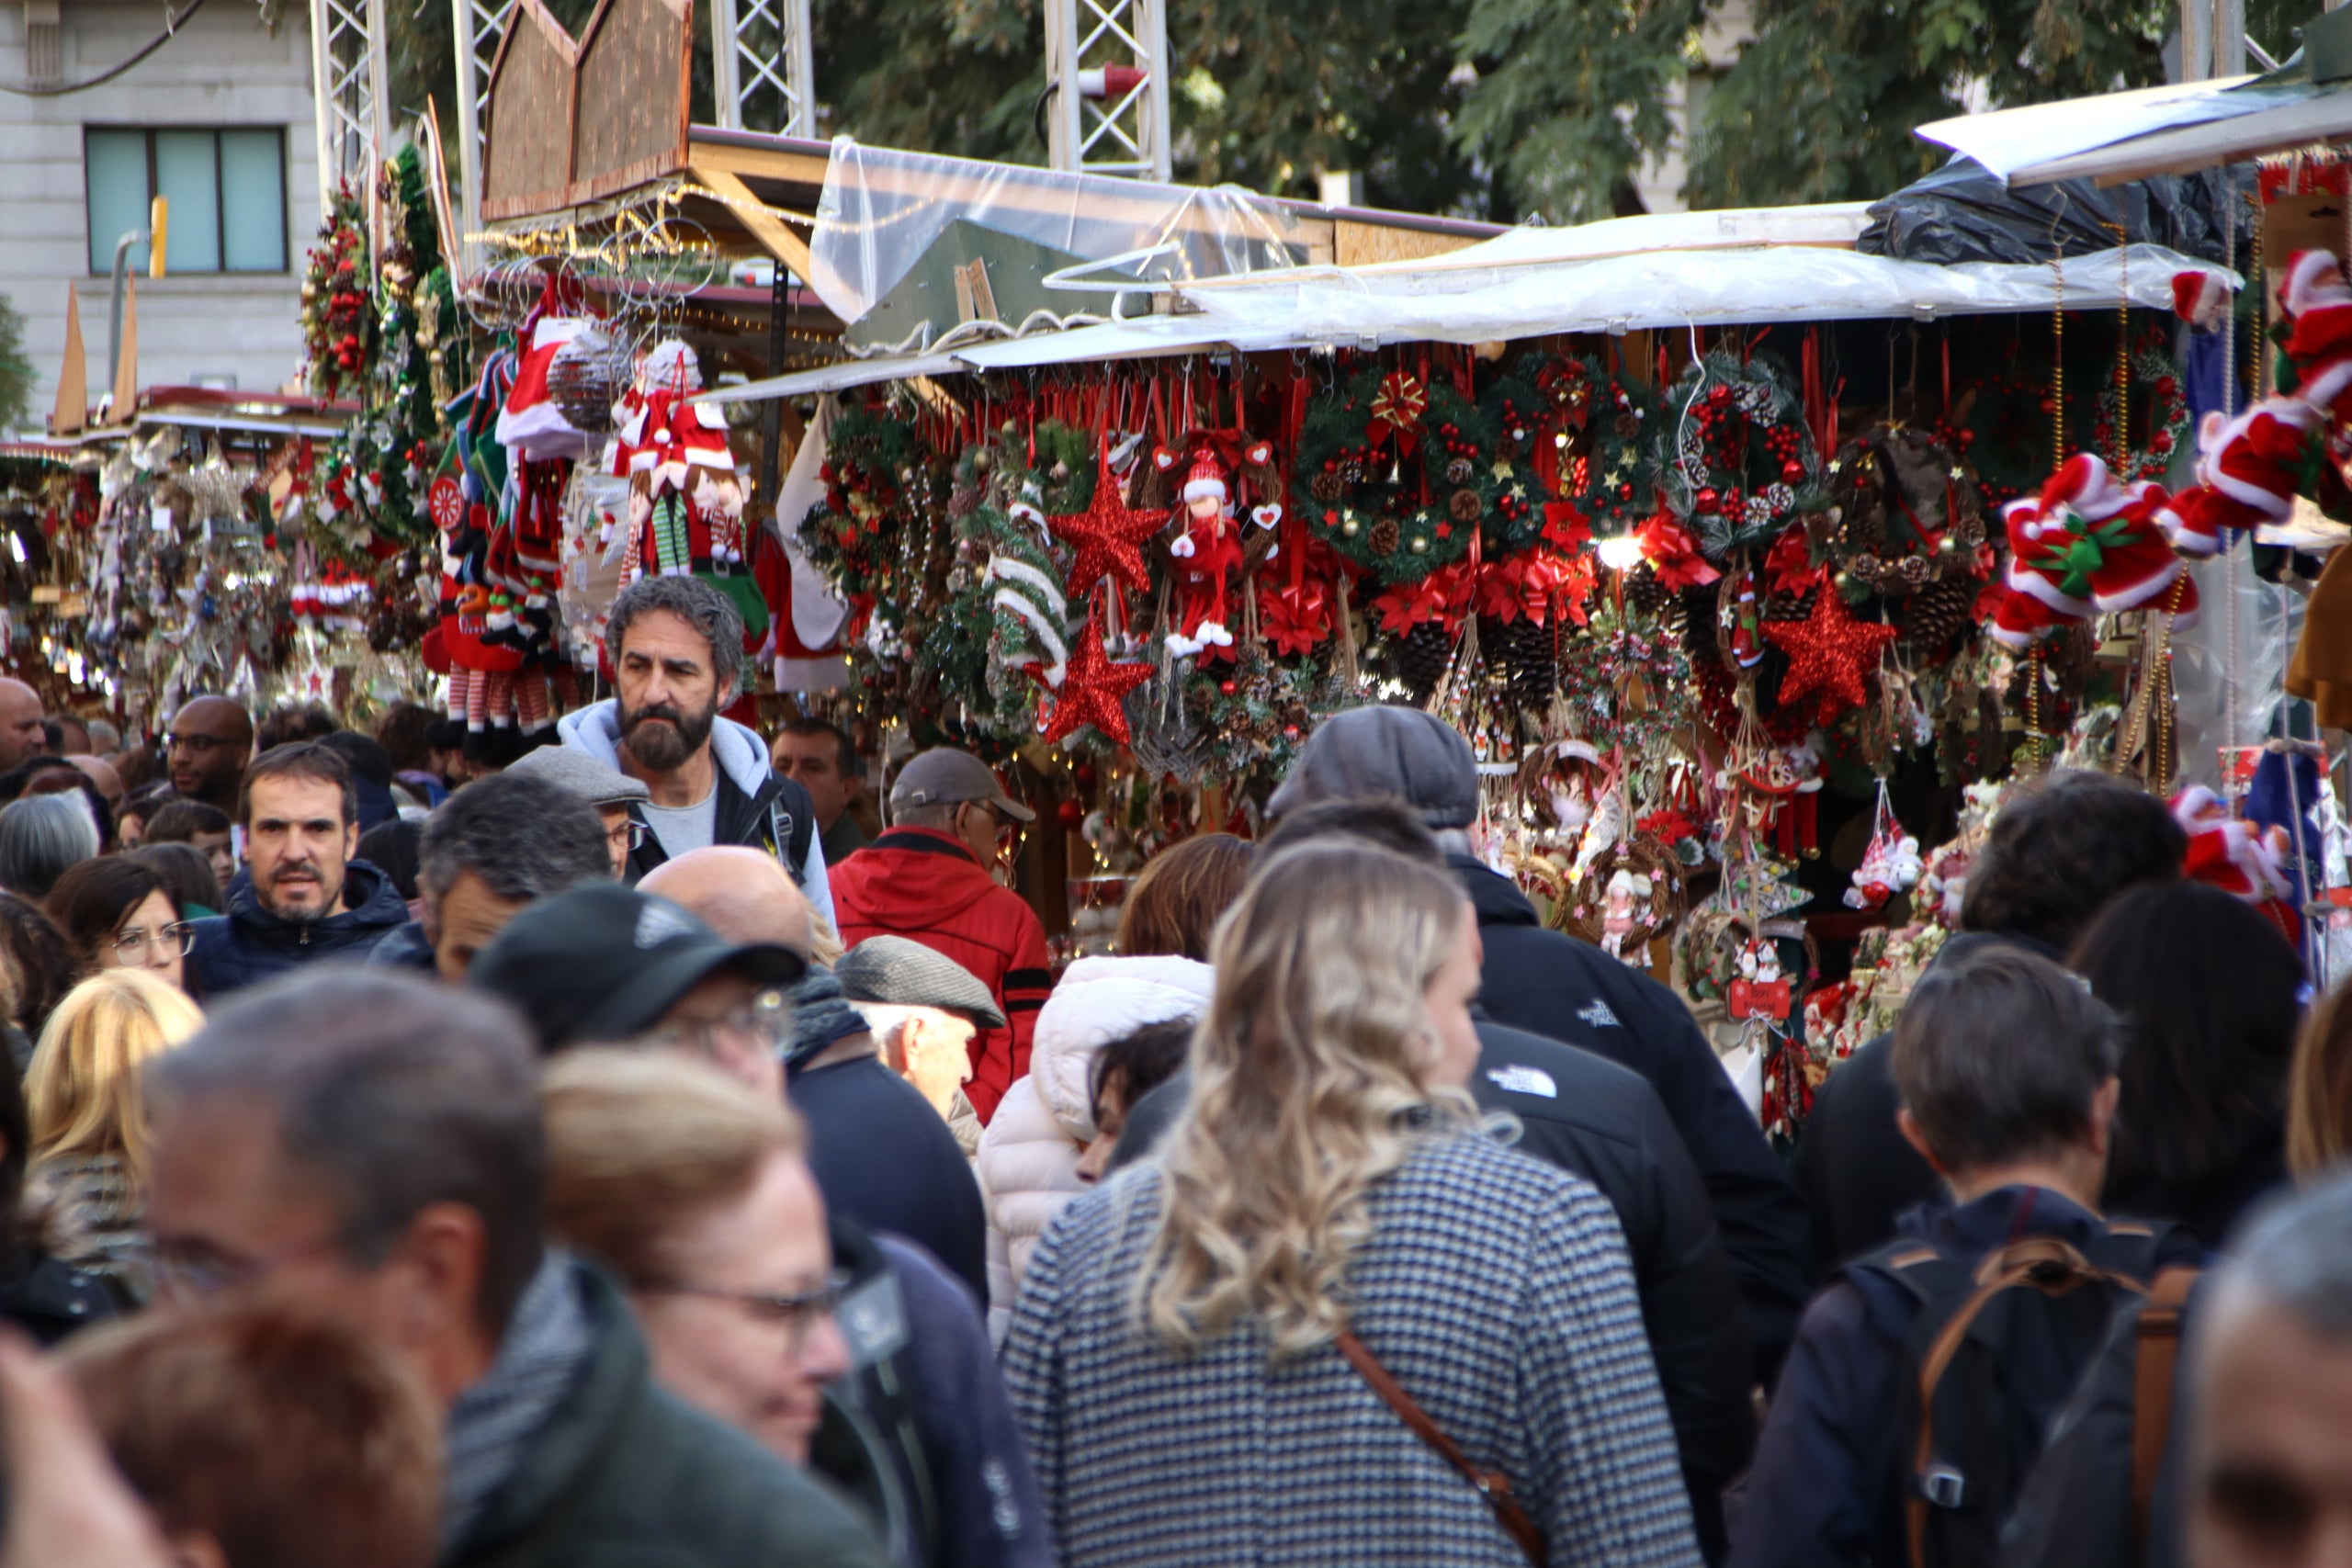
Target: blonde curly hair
{"points": [[1307, 1073]]}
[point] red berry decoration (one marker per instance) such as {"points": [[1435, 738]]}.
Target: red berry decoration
{"points": [[1071, 814]]}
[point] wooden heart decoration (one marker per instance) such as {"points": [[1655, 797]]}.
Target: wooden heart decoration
{"points": [[1260, 453], [1266, 516], [1162, 459]]}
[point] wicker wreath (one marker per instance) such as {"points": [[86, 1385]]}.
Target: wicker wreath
{"points": [[1655, 874]]}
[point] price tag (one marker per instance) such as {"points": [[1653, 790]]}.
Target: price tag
{"points": [[160, 519]]}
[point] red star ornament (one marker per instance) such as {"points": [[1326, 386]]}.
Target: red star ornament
{"points": [[1106, 534], [1831, 655], [1093, 690]]}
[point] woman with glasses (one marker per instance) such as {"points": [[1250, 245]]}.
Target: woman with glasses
{"points": [[118, 914], [89, 1123]]}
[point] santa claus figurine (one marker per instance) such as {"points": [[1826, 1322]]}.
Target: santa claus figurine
{"points": [[1207, 554], [2088, 545]]}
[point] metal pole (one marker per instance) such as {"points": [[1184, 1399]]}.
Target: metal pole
{"points": [[725, 83], [322, 106], [1061, 75], [800, 58], [1151, 31], [113, 320]]}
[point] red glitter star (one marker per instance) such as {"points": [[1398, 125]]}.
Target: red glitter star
{"points": [[1106, 534], [1831, 655], [1093, 689]]}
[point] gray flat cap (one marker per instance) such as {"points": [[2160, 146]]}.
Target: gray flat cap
{"points": [[902, 973], [1399, 752], [576, 772]]}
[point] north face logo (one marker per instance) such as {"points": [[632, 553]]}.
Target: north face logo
{"points": [[1599, 1017]]}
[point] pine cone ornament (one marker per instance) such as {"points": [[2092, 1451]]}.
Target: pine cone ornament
{"points": [[1937, 613], [1645, 592], [1384, 537], [1521, 651], [1419, 657]]}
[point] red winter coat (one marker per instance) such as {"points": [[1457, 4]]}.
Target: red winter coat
{"points": [[925, 885]]}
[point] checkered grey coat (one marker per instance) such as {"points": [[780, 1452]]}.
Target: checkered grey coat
{"points": [[1495, 1289]]}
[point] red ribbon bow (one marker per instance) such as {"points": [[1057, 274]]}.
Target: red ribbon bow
{"points": [[1396, 409]]}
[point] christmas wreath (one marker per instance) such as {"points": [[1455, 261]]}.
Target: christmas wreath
{"points": [[1593, 449], [336, 329], [857, 539], [2156, 385], [1904, 517], [1740, 464]]}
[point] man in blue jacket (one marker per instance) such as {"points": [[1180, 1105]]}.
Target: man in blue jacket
{"points": [[306, 899]]}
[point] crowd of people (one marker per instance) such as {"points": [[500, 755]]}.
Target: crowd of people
{"points": [[640, 1153]]}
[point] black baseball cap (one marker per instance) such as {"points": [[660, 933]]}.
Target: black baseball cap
{"points": [[607, 963]]}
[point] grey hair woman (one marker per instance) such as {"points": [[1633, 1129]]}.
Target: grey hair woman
{"points": [[1326, 1209], [41, 837]]}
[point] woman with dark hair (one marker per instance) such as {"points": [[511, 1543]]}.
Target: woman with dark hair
{"points": [[1126, 1069], [41, 960], [2214, 996], [1173, 906], [119, 915], [186, 871], [392, 847]]}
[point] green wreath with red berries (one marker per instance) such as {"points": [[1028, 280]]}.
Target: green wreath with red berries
{"points": [[338, 327], [1600, 429], [1739, 463], [857, 539]]}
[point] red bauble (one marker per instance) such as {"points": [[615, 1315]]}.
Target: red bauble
{"points": [[1707, 501], [1227, 687], [1085, 775], [1792, 472], [1071, 814]]}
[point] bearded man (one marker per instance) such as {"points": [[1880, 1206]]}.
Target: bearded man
{"points": [[676, 648]]}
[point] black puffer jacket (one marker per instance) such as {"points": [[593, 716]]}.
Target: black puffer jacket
{"points": [[249, 944], [1553, 985], [1585, 1114]]}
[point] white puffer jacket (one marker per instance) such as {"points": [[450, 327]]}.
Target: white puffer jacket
{"points": [[1028, 1158]]}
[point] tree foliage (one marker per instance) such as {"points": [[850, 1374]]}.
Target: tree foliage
{"points": [[16, 373]]}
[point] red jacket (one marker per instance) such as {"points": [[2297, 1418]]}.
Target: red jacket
{"points": [[925, 885]]}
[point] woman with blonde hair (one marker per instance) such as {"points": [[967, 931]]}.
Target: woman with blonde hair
{"points": [[89, 1126], [1336, 1322]]}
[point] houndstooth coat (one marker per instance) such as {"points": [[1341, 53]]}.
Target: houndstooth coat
{"points": [[1495, 1289]]}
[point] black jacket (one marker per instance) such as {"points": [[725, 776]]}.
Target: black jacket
{"points": [[1585, 1114], [778, 817], [883, 1157], [625, 1476], [1553, 985], [51, 1300], [249, 944], [1856, 1170]]}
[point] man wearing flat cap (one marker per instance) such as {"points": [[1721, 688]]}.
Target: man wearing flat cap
{"points": [[928, 879]]}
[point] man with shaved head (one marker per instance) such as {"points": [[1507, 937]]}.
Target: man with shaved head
{"points": [[210, 742], [743, 894], [881, 1155], [21, 734]]}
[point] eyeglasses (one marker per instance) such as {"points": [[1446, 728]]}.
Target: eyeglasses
{"points": [[134, 943], [190, 1271], [629, 834], [178, 742], [796, 1314], [766, 1020]]}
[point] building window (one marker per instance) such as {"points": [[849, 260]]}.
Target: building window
{"points": [[227, 191]]}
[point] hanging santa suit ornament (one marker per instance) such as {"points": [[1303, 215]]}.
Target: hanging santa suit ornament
{"points": [[2248, 470], [2087, 546], [2320, 346]]}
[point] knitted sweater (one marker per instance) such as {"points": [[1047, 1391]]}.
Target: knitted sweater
{"points": [[1496, 1289]]}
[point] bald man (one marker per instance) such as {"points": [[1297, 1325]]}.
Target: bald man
{"points": [[881, 1155], [210, 742], [743, 894], [20, 723], [102, 773]]}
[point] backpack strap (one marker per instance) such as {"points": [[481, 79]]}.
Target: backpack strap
{"points": [[2045, 1263], [1492, 1484], [2158, 1333]]}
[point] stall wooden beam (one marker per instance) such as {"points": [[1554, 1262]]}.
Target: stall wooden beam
{"points": [[789, 248]]}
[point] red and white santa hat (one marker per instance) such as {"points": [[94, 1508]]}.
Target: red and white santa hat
{"points": [[1205, 479], [2198, 297], [2313, 282], [2084, 486]]}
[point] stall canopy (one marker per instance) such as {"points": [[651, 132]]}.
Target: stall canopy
{"points": [[1458, 299]]}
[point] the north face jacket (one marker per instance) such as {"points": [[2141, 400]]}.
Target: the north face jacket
{"points": [[249, 944], [1551, 984], [926, 887], [756, 806]]}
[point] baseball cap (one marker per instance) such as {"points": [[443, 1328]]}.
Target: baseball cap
{"points": [[576, 772], [904, 973], [944, 775], [1400, 752], [606, 962]]}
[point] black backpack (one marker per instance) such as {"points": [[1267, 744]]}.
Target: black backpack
{"points": [[1995, 1345]]}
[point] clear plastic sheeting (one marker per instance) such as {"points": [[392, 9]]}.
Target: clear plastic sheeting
{"points": [[2207, 714], [1313, 307], [883, 208]]}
